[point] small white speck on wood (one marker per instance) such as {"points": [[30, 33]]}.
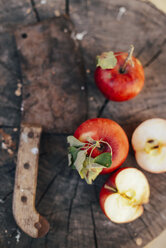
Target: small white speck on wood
{"points": [[22, 106], [43, 1], [4, 146], [34, 150], [122, 11], [18, 236], [80, 36]]}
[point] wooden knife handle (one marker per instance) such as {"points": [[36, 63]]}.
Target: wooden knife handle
{"points": [[26, 216]]}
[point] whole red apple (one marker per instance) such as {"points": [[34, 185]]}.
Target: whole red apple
{"points": [[122, 196], [119, 76], [105, 143]]}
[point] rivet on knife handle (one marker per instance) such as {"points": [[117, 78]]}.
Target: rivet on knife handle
{"points": [[26, 216]]}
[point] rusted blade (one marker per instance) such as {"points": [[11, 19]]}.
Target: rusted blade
{"points": [[53, 76]]}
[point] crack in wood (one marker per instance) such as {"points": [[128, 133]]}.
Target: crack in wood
{"points": [[49, 185], [66, 209], [71, 206], [154, 57], [160, 193], [96, 192], [147, 45], [11, 170], [29, 107], [9, 69], [101, 110], [146, 227], [7, 162], [7, 126], [34, 8], [12, 108], [130, 235], [94, 226], [67, 7], [153, 6], [46, 241], [140, 52], [142, 110], [7, 195], [31, 243], [156, 213]]}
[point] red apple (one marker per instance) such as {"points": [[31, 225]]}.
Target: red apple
{"points": [[122, 196], [121, 81], [149, 144], [108, 131]]}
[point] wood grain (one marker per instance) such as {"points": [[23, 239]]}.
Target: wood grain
{"points": [[15, 12]]}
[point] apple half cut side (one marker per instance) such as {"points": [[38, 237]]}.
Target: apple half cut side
{"points": [[122, 196], [149, 144]]}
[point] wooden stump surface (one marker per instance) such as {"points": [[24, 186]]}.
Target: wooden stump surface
{"points": [[70, 205]]}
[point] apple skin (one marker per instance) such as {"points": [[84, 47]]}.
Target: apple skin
{"points": [[109, 131], [118, 86]]}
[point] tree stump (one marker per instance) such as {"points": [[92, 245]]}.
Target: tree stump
{"points": [[70, 205]]}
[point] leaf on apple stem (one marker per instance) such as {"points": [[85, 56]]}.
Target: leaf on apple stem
{"points": [[107, 60], [74, 142], [104, 159], [88, 168], [72, 155]]}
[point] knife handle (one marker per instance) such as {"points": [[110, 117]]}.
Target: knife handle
{"points": [[25, 214]]}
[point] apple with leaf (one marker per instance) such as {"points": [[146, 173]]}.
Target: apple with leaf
{"points": [[119, 76], [99, 146]]}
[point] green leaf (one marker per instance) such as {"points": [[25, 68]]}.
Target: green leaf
{"points": [[70, 159], [73, 151], [79, 162], [107, 60], [90, 170], [74, 142], [104, 159], [92, 174]]}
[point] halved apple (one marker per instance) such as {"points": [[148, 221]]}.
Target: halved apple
{"points": [[122, 196], [149, 144]]}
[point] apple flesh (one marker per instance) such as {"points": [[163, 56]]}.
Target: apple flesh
{"points": [[120, 85], [110, 132], [149, 144], [122, 196]]}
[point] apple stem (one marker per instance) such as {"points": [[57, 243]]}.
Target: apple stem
{"points": [[129, 58], [110, 188]]}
